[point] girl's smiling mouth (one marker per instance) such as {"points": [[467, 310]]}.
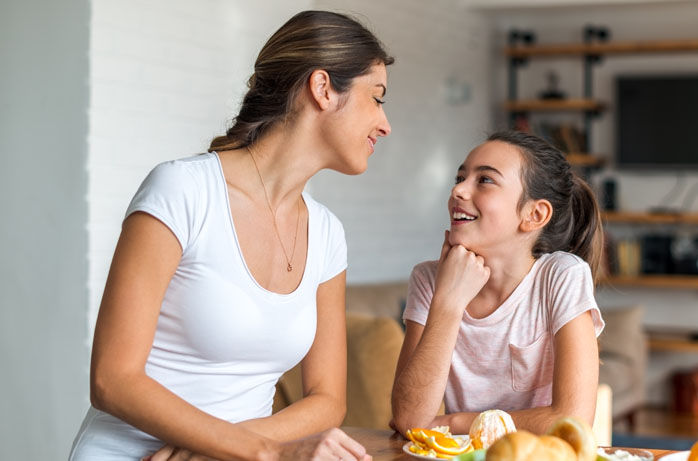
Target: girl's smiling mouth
{"points": [[459, 215]]}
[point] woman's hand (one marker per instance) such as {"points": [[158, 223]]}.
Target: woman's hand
{"points": [[460, 276], [331, 445], [172, 453]]}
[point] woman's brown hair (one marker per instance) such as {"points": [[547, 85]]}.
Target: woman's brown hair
{"points": [[575, 225], [309, 41]]}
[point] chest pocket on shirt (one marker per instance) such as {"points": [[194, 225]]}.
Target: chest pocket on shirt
{"points": [[532, 365]]}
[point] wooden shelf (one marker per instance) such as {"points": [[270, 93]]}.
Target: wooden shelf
{"points": [[553, 105], [639, 217], [673, 345], [653, 281], [584, 160], [581, 49]]}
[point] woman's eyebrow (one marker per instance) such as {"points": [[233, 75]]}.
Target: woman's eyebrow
{"points": [[384, 88]]}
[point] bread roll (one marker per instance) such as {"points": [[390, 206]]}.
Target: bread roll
{"points": [[578, 434], [558, 448], [517, 446]]}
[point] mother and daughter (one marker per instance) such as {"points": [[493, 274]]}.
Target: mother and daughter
{"points": [[227, 274]]}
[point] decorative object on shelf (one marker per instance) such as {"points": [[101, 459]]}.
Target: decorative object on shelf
{"points": [[609, 194], [552, 91]]}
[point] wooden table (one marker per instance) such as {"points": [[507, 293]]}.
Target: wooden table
{"points": [[386, 445]]}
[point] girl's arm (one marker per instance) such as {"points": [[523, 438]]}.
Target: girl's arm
{"points": [[145, 260], [425, 358], [324, 371], [575, 382]]}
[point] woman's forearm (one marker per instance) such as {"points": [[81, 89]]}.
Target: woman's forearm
{"points": [[312, 414], [150, 407]]}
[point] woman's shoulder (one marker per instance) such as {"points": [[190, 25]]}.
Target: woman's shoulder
{"points": [[194, 167], [324, 216]]}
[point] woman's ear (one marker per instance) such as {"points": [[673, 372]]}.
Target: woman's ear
{"points": [[321, 89], [537, 215]]}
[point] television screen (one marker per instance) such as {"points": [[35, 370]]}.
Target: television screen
{"points": [[657, 122]]}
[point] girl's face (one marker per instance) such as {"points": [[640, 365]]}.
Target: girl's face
{"points": [[483, 205], [359, 121]]}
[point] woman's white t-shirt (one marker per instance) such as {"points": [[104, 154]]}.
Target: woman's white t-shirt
{"points": [[505, 360], [222, 340]]}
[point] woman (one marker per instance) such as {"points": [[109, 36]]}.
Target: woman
{"points": [[226, 274]]}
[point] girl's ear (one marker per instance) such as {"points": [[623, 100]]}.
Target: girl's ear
{"points": [[321, 89], [537, 215]]}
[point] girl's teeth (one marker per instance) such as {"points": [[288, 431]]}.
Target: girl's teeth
{"points": [[463, 216]]}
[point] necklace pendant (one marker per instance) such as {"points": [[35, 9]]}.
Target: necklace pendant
{"points": [[289, 268]]}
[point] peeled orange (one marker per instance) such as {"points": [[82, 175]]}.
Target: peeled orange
{"points": [[489, 426]]}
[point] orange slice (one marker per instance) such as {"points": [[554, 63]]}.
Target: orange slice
{"points": [[693, 455], [419, 434], [448, 446]]}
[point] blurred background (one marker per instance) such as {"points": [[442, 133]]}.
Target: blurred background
{"points": [[93, 94]]}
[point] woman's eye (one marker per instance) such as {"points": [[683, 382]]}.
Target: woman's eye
{"points": [[379, 100], [486, 179], [459, 179]]}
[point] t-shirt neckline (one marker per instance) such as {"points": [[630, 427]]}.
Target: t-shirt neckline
{"points": [[231, 221]]}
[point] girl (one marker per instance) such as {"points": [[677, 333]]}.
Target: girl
{"points": [[227, 274], [506, 318]]}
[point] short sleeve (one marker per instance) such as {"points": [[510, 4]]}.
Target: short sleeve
{"points": [[572, 294], [170, 194], [420, 291], [336, 249]]}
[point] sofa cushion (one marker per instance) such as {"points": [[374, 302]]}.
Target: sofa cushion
{"points": [[373, 347], [623, 354]]}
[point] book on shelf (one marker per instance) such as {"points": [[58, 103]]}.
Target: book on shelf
{"points": [[565, 136]]}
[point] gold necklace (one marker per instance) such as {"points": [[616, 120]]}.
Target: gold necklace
{"points": [[289, 267]]}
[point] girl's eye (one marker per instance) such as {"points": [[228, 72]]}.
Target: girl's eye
{"points": [[459, 179], [486, 180], [379, 100]]}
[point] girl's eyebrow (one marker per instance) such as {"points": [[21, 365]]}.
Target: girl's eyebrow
{"points": [[482, 168], [384, 88]]}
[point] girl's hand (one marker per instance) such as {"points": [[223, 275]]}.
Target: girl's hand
{"points": [[460, 276], [331, 445]]}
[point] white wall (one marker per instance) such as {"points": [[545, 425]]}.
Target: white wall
{"points": [[43, 296], [655, 21], [395, 213]]}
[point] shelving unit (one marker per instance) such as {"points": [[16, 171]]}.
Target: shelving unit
{"points": [[522, 47], [677, 281]]}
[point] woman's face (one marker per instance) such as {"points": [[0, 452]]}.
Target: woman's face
{"points": [[353, 130], [483, 204]]}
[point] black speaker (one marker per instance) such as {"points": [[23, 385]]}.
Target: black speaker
{"points": [[608, 195], [656, 254]]}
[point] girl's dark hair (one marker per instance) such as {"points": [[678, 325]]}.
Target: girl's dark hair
{"points": [[575, 225], [309, 41]]}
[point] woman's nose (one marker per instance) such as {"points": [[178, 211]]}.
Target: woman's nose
{"points": [[384, 127]]}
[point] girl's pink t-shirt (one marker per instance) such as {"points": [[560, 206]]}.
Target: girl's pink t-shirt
{"points": [[505, 360]]}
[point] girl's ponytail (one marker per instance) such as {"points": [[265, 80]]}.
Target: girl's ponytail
{"points": [[586, 233], [575, 225]]}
